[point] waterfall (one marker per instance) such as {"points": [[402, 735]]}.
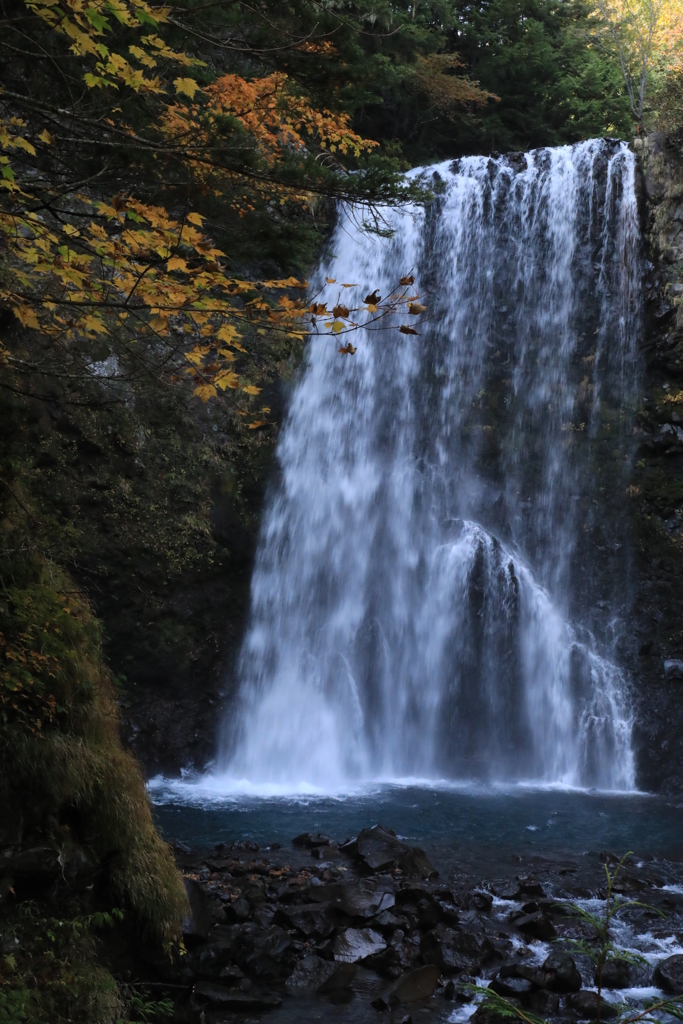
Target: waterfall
{"points": [[441, 574]]}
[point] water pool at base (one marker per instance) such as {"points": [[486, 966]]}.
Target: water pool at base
{"points": [[480, 830]]}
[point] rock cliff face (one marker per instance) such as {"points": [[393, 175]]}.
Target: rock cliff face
{"points": [[657, 489]]}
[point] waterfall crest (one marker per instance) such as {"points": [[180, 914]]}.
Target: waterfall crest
{"points": [[435, 592]]}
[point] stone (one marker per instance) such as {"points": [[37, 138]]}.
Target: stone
{"points": [[585, 1003], [230, 999], [616, 974], [563, 973], [419, 984], [230, 974], [452, 951], [367, 898], [354, 944], [506, 890], [669, 974], [274, 942], [311, 919], [198, 922], [530, 886], [511, 986], [673, 669], [380, 848], [341, 978], [308, 841], [245, 844], [429, 913], [536, 977], [387, 920], [671, 432], [544, 1003], [237, 911], [536, 926], [313, 974], [213, 957], [477, 899], [397, 959]]}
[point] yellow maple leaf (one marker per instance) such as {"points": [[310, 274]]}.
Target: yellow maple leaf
{"points": [[227, 333], [228, 380], [176, 263], [195, 218], [205, 392], [187, 86], [251, 390], [27, 316]]}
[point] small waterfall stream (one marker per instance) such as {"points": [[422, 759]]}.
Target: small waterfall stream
{"points": [[442, 571]]}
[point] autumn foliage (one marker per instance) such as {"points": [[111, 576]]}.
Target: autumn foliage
{"points": [[87, 270]]}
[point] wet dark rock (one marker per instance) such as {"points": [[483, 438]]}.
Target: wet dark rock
{"points": [[419, 984], [429, 912], [511, 986], [354, 944], [398, 958], [237, 911], [563, 973], [536, 977], [366, 898], [669, 974], [544, 1003], [536, 926], [308, 841], [197, 924], [213, 958], [387, 920], [616, 974], [274, 942], [673, 669], [264, 916], [315, 975], [310, 919], [585, 1003], [245, 844], [379, 848], [477, 899], [506, 890], [230, 975], [452, 951], [229, 998], [530, 886]]}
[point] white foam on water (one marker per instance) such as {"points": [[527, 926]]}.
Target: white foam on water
{"points": [[215, 789]]}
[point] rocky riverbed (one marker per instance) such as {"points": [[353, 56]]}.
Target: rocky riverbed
{"points": [[368, 930]]}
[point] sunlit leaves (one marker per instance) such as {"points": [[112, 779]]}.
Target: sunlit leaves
{"points": [[187, 86], [121, 272]]}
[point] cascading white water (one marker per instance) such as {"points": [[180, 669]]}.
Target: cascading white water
{"points": [[438, 521]]}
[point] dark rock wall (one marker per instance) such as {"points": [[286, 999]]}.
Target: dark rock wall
{"points": [[152, 503], [656, 493]]}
